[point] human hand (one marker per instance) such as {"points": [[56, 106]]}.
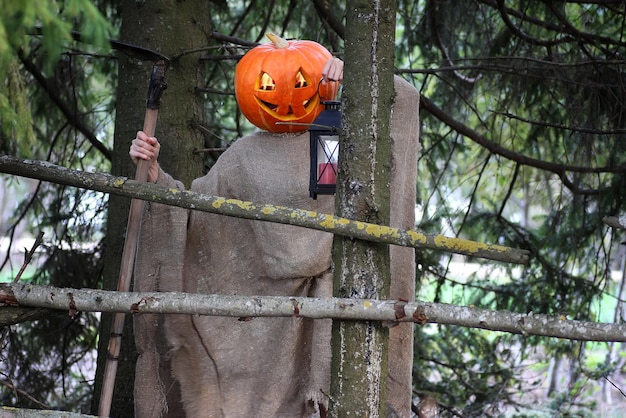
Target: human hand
{"points": [[332, 71], [147, 148]]}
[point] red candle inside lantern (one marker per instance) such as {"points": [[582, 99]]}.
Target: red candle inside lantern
{"points": [[324, 150], [327, 173]]}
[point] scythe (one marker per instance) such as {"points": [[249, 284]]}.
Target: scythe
{"points": [[155, 90]]}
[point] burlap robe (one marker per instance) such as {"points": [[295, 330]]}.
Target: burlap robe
{"points": [[262, 367]]}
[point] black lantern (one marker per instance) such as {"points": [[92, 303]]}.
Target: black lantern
{"points": [[324, 137]]}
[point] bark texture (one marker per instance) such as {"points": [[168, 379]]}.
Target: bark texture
{"points": [[390, 311], [371, 364]]}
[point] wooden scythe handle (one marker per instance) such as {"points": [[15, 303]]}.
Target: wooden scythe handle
{"points": [[155, 90]]}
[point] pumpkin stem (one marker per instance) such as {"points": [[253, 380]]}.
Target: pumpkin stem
{"points": [[277, 40]]}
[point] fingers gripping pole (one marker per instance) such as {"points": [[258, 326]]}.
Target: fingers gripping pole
{"points": [[155, 90]]}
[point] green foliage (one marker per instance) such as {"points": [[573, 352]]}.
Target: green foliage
{"points": [[550, 96], [19, 21], [20, 18], [466, 380], [52, 359], [49, 363], [15, 112]]}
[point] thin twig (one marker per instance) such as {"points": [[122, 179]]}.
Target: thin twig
{"points": [[205, 150], [614, 385], [545, 124], [48, 86], [28, 256], [18, 391]]}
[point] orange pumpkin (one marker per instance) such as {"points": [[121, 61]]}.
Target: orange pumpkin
{"points": [[278, 85]]}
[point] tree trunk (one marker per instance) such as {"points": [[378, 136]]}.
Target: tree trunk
{"points": [[362, 269], [152, 25]]}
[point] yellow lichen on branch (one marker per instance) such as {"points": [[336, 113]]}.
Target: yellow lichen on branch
{"points": [[250, 210]]}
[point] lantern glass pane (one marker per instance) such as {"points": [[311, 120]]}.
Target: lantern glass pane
{"points": [[327, 154]]}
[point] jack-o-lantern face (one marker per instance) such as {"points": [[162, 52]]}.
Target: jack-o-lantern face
{"points": [[278, 87]]}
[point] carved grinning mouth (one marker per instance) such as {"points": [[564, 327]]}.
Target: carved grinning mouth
{"points": [[272, 107], [267, 83]]}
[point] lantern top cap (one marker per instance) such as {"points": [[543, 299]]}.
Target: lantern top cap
{"points": [[329, 119]]}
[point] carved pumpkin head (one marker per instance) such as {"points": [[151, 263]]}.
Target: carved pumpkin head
{"points": [[278, 85]]}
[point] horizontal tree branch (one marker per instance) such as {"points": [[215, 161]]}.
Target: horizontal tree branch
{"points": [[249, 210], [9, 412], [390, 311], [615, 221], [10, 315]]}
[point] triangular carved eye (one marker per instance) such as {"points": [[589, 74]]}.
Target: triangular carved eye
{"points": [[300, 80], [267, 82]]}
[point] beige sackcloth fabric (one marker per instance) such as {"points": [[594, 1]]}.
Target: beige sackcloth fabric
{"points": [[261, 367]]}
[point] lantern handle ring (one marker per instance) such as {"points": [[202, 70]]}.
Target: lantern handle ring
{"points": [[319, 84]]}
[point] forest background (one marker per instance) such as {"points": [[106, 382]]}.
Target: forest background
{"points": [[522, 132]]}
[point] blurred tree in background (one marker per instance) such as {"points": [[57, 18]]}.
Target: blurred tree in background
{"points": [[523, 129], [523, 135], [55, 105]]}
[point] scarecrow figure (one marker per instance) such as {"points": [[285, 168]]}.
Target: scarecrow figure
{"points": [[262, 367]]}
